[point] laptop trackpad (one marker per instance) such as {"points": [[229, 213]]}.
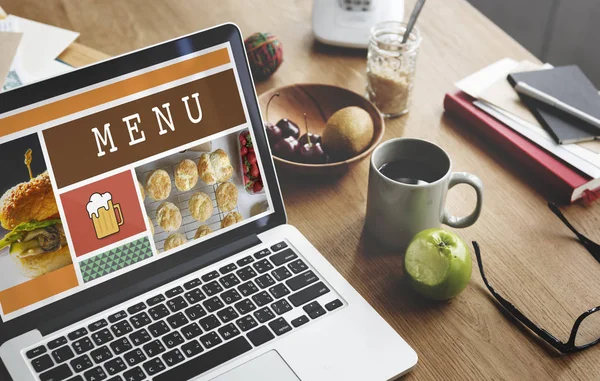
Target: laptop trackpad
{"points": [[268, 367]]}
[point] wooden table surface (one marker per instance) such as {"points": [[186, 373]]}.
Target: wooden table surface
{"points": [[530, 256]]}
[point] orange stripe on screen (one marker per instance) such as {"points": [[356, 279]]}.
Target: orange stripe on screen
{"points": [[40, 288], [104, 94]]}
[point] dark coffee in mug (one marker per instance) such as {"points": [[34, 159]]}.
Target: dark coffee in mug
{"points": [[408, 182], [410, 171]]}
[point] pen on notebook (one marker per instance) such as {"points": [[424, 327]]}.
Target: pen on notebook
{"points": [[525, 89]]}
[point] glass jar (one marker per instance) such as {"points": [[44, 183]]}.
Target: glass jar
{"points": [[391, 67]]}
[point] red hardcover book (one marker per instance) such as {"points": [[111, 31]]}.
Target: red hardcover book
{"points": [[565, 183]]}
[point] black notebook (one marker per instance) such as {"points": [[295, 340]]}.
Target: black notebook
{"points": [[571, 86]]}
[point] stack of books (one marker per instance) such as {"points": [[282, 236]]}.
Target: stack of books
{"points": [[565, 169]]}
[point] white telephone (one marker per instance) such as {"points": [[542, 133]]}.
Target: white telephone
{"points": [[348, 23]]}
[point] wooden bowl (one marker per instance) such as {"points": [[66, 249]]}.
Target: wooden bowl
{"points": [[319, 102]]}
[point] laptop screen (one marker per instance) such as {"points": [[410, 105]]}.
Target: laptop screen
{"points": [[103, 180]]}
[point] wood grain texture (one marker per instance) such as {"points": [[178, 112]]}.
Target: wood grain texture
{"points": [[529, 255]]}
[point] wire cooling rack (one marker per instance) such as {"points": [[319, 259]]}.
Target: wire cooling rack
{"points": [[181, 199]]}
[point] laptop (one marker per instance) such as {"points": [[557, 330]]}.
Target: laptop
{"points": [[144, 236]]}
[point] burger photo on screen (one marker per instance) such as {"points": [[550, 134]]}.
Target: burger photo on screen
{"points": [[36, 238]]}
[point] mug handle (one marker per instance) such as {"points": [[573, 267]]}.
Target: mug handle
{"points": [[118, 208], [472, 180]]}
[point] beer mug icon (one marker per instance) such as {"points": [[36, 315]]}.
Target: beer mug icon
{"points": [[104, 215]]}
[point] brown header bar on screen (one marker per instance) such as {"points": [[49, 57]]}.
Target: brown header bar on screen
{"points": [[101, 95], [136, 130]]}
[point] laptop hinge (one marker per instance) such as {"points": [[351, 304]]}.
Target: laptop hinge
{"points": [[155, 281]]}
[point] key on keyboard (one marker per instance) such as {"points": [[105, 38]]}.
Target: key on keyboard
{"points": [[58, 373], [42, 363], [62, 354], [173, 357], [210, 276], [116, 317], [35, 352], [283, 257], [174, 291], [81, 363], [211, 359], [57, 342], [246, 273], [192, 283], [279, 246]]}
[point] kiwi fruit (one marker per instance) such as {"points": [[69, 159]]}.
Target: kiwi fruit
{"points": [[348, 132]]}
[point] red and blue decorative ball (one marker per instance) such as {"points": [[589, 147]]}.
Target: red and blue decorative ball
{"points": [[265, 54]]}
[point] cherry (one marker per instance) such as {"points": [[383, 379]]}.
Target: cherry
{"points": [[311, 152], [274, 133], [286, 148], [288, 128], [314, 138]]}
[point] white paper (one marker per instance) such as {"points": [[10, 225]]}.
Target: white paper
{"points": [[52, 69], [18, 76], [567, 152], [478, 82], [41, 44], [578, 149], [23, 70]]}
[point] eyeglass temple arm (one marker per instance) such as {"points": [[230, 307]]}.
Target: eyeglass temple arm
{"points": [[514, 311], [590, 245]]}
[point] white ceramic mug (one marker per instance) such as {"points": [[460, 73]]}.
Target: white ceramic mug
{"points": [[396, 211]]}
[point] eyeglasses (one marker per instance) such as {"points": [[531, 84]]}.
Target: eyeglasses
{"points": [[570, 346]]}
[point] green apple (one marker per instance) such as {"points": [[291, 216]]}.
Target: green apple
{"points": [[438, 264]]}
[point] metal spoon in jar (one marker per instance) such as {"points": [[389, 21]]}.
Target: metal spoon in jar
{"points": [[413, 19]]}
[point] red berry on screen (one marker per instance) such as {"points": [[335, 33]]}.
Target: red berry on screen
{"points": [[257, 187], [254, 171], [242, 140], [251, 158], [246, 179], [244, 151], [251, 149]]}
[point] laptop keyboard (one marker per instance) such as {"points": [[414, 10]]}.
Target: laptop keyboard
{"points": [[193, 327]]}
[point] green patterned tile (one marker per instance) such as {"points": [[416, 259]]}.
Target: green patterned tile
{"points": [[115, 259]]}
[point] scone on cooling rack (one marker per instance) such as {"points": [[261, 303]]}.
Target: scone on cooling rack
{"points": [[174, 240], [215, 167], [142, 191], [168, 216], [200, 206], [186, 175], [231, 219], [202, 231], [227, 196], [158, 185]]}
